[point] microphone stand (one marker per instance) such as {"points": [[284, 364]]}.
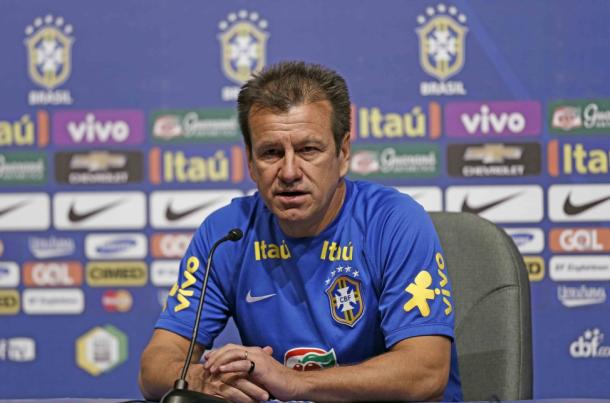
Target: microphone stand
{"points": [[180, 392]]}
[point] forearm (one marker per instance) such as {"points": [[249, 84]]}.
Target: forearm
{"points": [[159, 368], [385, 377]]}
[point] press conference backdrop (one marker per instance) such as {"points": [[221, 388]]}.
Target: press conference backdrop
{"points": [[118, 135]]}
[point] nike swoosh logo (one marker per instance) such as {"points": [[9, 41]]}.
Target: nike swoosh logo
{"points": [[173, 215], [14, 207], [571, 209], [73, 216], [467, 208], [250, 299]]}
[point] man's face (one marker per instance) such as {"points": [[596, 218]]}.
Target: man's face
{"points": [[296, 167]]}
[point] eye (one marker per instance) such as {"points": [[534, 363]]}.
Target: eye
{"points": [[309, 150], [270, 153]]}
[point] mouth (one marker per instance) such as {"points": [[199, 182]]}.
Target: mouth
{"points": [[291, 196]]}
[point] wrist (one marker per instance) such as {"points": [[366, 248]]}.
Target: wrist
{"points": [[195, 377], [302, 384]]}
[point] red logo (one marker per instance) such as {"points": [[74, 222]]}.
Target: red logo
{"points": [[117, 300], [52, 274], [170, 246]]}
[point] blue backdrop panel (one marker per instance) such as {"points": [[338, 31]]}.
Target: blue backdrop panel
{"points": [[117, 120]]}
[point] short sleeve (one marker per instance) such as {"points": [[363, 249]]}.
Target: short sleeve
{"points": [[415, 296], [180, 311]]}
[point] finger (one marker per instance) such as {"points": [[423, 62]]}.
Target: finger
{"points": [[236, 366], [251, 389], [227, 356], [236, 395], [214, 352], [268, 350], [211, 355]]}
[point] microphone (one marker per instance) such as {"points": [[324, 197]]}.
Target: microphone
{"points": [[180, 392]]}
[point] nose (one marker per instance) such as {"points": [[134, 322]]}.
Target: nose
{"points": [[290, 170]]}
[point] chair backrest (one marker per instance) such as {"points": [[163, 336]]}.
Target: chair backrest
{"points": [[492, 305]]}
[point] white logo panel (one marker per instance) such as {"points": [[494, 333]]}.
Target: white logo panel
{"points": [[99, 210], [430, 197], [66, 301], [528, 240], [25, 212], [187, 209], [18, 349], [579, 268], [164, 273], [9, 274], [570, 203], [500, 204], [116, 246]]}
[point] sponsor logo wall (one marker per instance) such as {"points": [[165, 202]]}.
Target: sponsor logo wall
{"points": [[115, 146]]}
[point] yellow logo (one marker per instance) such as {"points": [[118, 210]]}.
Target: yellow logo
{"points": [[535, 267], [421, 292], [182, 293], [346, 302], [243, 45], [110, 274], [333, 251], [263, 251], [9, 302], [441, 41], [49, 47]]}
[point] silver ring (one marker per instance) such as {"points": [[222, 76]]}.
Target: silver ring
{"points": [[245, 355], [252, 366]]}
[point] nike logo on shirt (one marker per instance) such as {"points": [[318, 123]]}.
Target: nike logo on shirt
{"points": [[73, 216], [467, 208], [173, 215], [571, 209], [250, 298]]}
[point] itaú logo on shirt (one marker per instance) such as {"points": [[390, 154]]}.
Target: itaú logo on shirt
{"points": [[334, 251], [267, 250]]}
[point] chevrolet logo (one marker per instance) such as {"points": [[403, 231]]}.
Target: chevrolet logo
{"points": [[96, 161], [493, 153]]}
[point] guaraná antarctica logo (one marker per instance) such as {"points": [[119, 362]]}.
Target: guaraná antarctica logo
{"points": [[442, 45], [49, 52], [101, 349], [243, 48]]}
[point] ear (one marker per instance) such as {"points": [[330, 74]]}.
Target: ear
{"points": [[344, 155]]}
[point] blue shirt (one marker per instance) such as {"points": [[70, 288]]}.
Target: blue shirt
{"points": [[373, 277]]}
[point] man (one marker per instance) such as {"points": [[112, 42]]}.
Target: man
{"points": [[340, 276]]}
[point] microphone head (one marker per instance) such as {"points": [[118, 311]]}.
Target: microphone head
{"points": [[235, 234]]}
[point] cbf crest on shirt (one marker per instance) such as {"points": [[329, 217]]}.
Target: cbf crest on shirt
{"points": [[345, 296]]}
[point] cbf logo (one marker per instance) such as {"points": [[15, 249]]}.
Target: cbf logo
{"points": [[345, 295], [243, 43], [49, 51], [442, 42]]}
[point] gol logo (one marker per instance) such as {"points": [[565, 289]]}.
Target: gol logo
{"points": [[535, 267], [117, 301], [9, 302], [52, 274], [110, 274], [580, 239], [170, 245]]}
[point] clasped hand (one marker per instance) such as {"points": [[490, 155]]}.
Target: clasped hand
{"points": [[255, 364]]}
